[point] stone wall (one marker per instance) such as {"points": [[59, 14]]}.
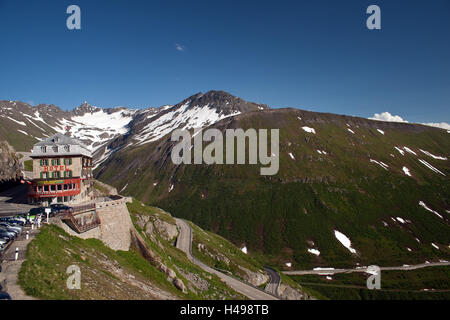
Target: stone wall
{"points": [[115, 225]]}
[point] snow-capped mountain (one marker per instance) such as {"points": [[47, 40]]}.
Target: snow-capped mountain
{"points": [[349, 190], [23, 125], [197, 111]]}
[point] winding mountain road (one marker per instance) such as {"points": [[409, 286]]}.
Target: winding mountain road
{"points": [[274, 282], [330, 271], [184, 243]]}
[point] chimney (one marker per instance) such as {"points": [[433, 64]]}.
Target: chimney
{"points": [[67, 128]]}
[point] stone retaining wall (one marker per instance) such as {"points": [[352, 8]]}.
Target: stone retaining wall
{"points": [[114, 228]]}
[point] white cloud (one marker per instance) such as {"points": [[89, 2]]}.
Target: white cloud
{"points": [[442, 125], [179, 47], [386, 116]]}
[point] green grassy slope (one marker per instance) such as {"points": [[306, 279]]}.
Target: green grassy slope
{"points": [[109, 274], [282, 216]]}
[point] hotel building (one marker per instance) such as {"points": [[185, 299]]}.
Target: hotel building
{"points": [[62, 171]]}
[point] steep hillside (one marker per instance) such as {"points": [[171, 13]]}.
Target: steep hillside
{"points": [[152, 269], [349, 190]]}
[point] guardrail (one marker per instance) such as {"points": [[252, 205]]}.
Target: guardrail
{"points": [[86, 207]]}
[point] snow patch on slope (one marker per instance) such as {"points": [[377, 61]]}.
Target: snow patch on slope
{"points": [[314, 252], [381, 164], [309, 130], [429, 166], [422, 204], [400, 150], [185, 116], [344, 240], [432, 155], [406, 171]]}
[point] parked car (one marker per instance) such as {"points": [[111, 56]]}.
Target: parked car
{"points": [[11, 226], [60, 208], [4, 295], [16, 223], [6, 235], [14, 233], [36, 211], [20, 221]]}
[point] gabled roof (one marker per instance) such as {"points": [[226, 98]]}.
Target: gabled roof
{"points": [[76, 147], [60, 139]]}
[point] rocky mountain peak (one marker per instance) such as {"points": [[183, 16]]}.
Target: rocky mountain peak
{"points": [[223, 102], [84, 108]]}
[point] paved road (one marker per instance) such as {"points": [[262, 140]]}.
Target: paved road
{"points": [[14, 200], [184, 243], [364, 269], [11, 267], [274, 282]]}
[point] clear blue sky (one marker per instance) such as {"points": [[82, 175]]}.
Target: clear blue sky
{"points": [[317, 55]]}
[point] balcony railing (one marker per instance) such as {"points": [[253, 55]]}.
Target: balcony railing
{"points": [[55, 192], [78, 227]]}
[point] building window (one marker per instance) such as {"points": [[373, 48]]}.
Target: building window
{"points": [[67, 148], [43, 149]]}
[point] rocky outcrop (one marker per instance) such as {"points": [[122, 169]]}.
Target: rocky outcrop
{"points": [[195, 281], [166, 230], [155, 260], [288, 293], [152, 224], [216, 255], [9, 163], [255, 278]]}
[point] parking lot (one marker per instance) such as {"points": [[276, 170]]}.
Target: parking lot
{"points": [[13, 243]]}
